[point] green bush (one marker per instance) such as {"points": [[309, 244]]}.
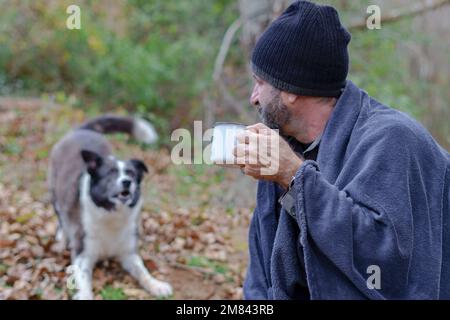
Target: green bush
{"points": [[156, 58]]}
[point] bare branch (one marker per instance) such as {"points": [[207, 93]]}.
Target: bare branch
{"points": [[224, 47]]}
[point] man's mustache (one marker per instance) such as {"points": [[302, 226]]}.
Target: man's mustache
{"points": [[259, 109]]}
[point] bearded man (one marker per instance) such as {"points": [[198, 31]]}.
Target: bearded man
{"points": [[359, 206]]}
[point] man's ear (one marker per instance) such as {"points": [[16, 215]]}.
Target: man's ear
{"points": [[140, 167], [92, 160]]}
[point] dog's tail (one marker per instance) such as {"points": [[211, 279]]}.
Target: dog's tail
{"points": [[139, 128]]}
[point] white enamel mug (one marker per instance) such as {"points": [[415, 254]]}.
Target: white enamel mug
{"points": [[224, 141]]}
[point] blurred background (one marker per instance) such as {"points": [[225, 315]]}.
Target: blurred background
{"points": [[173, 62]]}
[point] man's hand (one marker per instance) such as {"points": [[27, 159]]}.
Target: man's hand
{"points": [[263, 154]]}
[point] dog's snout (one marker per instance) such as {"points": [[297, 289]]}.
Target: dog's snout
{"points": [[126, 183]]}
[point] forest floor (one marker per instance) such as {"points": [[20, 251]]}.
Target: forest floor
{"points": [[193, 229]]}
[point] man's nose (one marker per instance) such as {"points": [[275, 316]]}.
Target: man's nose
{"points": [[254, 98]]}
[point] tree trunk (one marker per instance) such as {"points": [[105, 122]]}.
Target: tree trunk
{"points": [[256, 16]]}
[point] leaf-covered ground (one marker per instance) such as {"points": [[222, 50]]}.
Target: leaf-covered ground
{"points": [[194, 221]]}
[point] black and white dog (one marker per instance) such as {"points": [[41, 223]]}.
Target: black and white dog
{"points": [[97, 200]]}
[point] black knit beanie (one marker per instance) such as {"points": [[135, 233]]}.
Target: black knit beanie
{"points": [[304, 51]]}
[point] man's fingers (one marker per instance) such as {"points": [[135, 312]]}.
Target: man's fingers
{"points": [[246, 153], [247, 137], [240, 149], [250, 137], [260, 128], [254, 172], [257, 127], [242, 137]]}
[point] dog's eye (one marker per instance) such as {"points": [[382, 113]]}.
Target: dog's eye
{"points": [[130, 173], [113, 171]]}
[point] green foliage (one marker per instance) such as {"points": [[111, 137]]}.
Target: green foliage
{"points": [[155, 59], [203, 262], [12, 147], [378, 64], [110, 293], [378, 67]]}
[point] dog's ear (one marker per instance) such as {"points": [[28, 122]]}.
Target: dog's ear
{"points": [[92, 160], [140, 167]]}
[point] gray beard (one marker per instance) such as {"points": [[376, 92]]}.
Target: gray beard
{"points": [[275, 114]]}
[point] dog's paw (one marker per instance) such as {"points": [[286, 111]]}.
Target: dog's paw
{"points": [[83, 296], [160, 288]]}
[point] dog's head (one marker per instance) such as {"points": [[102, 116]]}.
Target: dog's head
{"points": [[113, 182]]}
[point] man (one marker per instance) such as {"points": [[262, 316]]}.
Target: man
{"points": [[359, 208]]}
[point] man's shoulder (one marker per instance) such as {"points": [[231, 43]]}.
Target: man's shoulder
{"points": [[398, 133], [386, 123]]}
